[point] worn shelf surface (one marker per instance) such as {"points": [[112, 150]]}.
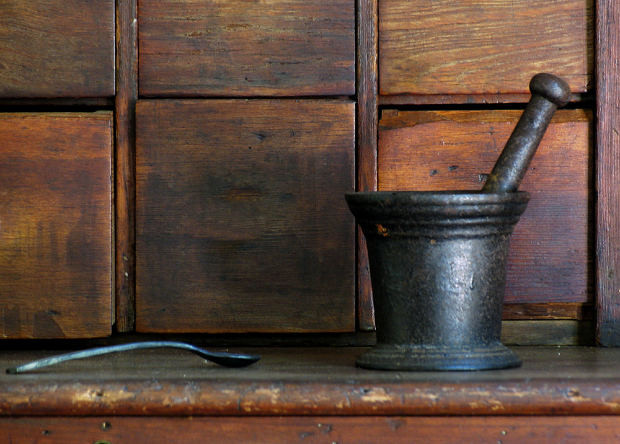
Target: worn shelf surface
{"points": [[310, 381]]}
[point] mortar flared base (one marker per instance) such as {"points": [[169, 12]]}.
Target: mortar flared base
{"points": [[414, 357]]}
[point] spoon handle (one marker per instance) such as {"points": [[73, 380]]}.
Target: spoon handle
{"points": [[221, 358], [548, 93]]}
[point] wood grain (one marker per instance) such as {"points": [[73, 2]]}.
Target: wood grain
{"points": [[322, 429], [470, 99], [556, 332], [57, 48], [550, 258], [608, 173], [125, 127], [483, 47], [367, 121], [241, 220], [56, 215], [240, 48], [551, 310]]}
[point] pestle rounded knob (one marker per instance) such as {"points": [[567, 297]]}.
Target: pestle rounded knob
{"points": [[548, 93], [551, 88]]}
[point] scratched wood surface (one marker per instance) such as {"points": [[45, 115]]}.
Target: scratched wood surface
{"points": [[551, 249], [241, 220], [57, 48], [240, 48], [321, 429], [483, 47], [56, 215], [294, 381]]}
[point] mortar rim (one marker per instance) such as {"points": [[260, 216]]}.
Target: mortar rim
{"points": [[437, 198]]}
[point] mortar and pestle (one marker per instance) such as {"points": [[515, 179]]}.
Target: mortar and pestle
{"points": [[438, 259]]}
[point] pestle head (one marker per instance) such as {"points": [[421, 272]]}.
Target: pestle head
{"points": [[551, 88], [548, 93]]}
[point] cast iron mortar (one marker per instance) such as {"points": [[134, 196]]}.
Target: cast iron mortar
{"points": [[438, 259]]}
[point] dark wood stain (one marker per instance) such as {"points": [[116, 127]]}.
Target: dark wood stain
{"points": [[55, 257], [57, 48], [239, 233]]}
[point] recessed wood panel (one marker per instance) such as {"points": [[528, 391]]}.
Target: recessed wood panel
{"points": [[55, 225], [550, 257], [57, 48], [241, 218], [240, 48], [481, 46]]}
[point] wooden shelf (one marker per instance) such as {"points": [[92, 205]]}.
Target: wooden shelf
{"points": [[310, 381]]}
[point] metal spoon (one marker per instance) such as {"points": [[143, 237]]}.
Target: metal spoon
{"points": [[222, 358]]}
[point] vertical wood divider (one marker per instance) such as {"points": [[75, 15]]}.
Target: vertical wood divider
{"points": [[367, 120], [126, 96], [608, 172]]}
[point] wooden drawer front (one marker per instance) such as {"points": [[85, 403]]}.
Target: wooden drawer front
{"points": [[481, 46], [240, 48], [56, 48], [56, 232], [550, 258], [241, 218]]}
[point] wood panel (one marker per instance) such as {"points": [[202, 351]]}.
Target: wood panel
{"points": [[56, 48], [550, 258], [240, 48], [241, 218], [321, 429], [483, 47], [56, 218], [608, 173]]}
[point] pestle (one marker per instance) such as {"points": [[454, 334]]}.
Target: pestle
{"points": [[548, 93]]}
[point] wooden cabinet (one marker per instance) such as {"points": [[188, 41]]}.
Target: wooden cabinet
{"points": [[57, 48], [252, 119], [241, 219], [55, 225], [292, 103]]}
